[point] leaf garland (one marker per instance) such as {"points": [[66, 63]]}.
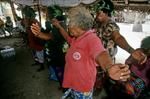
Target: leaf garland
{"points": [[56, 12]]}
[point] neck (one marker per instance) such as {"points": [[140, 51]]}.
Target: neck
{"points": [[81, 32]]}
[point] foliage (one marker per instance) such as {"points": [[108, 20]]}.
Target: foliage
{"points": [[56, 12], [104, 5]]}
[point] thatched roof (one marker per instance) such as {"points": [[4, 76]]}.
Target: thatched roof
{"points": [[62, 3], [2, 0], [137, 5]]}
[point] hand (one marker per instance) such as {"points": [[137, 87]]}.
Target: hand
{"points": [[139, 56], [56, 23], [119, 72], [35, 28]]}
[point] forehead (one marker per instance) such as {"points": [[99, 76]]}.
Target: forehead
{"points": [[100, 12]]}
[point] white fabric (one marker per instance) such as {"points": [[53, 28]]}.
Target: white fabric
{"points": [[62, 3]]}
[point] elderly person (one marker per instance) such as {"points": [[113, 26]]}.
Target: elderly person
{"points": [[86, 50]]}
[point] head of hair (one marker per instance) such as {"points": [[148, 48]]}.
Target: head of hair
{"points": [[28, 12], [81, 17], [8, 18], [145, 45], [106, 6]]}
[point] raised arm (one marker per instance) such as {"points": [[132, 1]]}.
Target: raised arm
{"points": [[36, 30], [56, 23]]}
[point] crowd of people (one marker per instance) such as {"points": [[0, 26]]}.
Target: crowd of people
{"points": [[92, 46]]}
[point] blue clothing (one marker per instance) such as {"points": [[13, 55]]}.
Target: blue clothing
{"points": [[77, 95]]}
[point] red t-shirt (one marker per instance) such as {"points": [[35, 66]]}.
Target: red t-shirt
{"points": [[34, 42], [80, 68]]}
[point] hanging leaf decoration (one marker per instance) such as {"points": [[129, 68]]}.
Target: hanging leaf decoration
{"points": [[103, 4], [56, 12]]}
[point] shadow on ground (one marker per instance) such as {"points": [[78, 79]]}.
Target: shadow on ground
{"points": [[19, 80]]}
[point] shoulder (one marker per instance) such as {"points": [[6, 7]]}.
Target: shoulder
{"points": [[112, 26], [93, 38]]}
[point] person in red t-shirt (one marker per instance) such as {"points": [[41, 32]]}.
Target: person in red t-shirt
{"points": [[35, 44], [85, 52]]}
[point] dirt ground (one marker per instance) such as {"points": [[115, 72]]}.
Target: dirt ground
{"points": [[20, 80]]}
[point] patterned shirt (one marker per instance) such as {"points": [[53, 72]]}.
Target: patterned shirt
{"points": [[105, 33]]}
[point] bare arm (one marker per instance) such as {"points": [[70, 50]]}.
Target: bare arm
{"points": [[115, 71], [104, 60], [121, 42], [36, 30], [61, 29]]}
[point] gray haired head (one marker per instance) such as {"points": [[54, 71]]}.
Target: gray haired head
{"points": [[80, 17]]}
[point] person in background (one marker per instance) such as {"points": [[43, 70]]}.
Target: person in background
{"points": [[2, 30], [20, 28], [55, 56], [35, 44], [109, 32], [138, 86], [9, 25], [85, 51]]}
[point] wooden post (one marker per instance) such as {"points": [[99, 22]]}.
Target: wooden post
{"points": [[37, 4], [126, 2], [13, 10], [39, 11]]}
